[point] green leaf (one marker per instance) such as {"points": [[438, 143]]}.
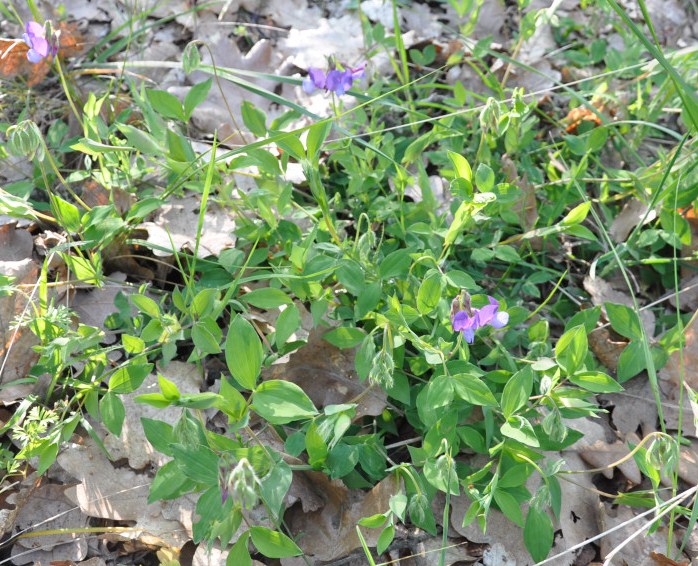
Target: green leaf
{"points": [[577, 214], [146, 305], [520, 429], [631, 361], [275, 485], [196, 95], [204, 400], [168, 388], [197, 462], [156, 400], [243, 352], [484, 177], [385, 538], [166, 104], [132, 344], [159, 434], [538, 534], [317, 134], [624, 321], [509, 506], [374, 521], [254, 119], [395, 265], [282, 402], [129, 378], [429, 293], [207, 335], [273, 544], [461, 165], [473, 390], [595, 381], [345, 337], [287, 323], [316, 447], [517, 391], [142, 141], [113, 413], [571, 349], [266, 298], [169, 483], [67, 214], [239, 555]]}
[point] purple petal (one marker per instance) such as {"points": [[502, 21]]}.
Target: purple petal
{"points": [[41, 46], [308, 85], [469, 335], [34, 29], [500, 320], [486, 314], [317, 76], [461, 321], [358, 72], [334, 82], [34, 56]]}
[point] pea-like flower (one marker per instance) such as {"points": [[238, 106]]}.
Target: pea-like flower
{"points": [[467, 320], [39, 46], [335, 80]]}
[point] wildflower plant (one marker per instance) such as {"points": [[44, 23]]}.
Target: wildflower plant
{"points": [[393, 226]]}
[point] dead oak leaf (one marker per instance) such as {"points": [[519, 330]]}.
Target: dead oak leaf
{"points": [[328, 377], [605, 457]]}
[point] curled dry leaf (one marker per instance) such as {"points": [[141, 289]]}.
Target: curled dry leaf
{"points": [[330, 532]]}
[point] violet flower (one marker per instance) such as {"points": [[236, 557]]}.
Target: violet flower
{"points": [[39, 47], [468, 320], [335, 80]]}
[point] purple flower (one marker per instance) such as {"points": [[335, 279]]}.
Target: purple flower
{"points": [[335, 80], [39, 47], [469, 319]]}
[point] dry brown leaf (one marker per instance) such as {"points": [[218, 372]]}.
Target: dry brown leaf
{"points": [[330, 532], [600, 454], [177, 223], [664, 560], [16, 349], [328, 377], [634, 211], [47, 509], [93, 306], [605, 348], [633, 408], [678, 368], [120, 495], [637, 552]]}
